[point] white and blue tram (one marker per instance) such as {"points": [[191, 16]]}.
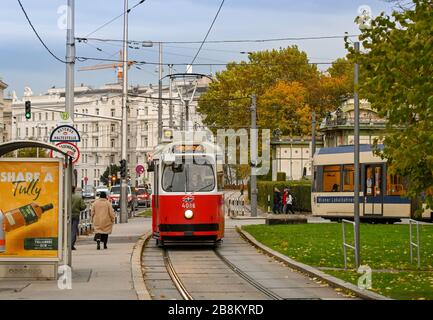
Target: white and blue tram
{"points": [[382, 195]]}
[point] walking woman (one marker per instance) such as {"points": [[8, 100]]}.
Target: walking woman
{"points": [[103, 219]]}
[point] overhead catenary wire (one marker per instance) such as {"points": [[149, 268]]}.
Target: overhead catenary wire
{"points": [[227, 40], [207, 34], [115, 18], [83, 59], [37, 34]]}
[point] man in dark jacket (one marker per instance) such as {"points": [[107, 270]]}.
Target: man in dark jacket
{"points": [[277, 201], [78, 205]]}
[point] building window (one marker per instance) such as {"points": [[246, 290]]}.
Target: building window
{"points": [[96, 142], [113, 127], [46, 116], [113, 112], [331, 179], [113, 102], [96, 127], [33, 131], [97, 112], [52, 116], [27, 132], [113, 143], [129, 143], [129, 128], [40, 116]]}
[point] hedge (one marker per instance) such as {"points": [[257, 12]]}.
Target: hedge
{"points": [[301, 191]]}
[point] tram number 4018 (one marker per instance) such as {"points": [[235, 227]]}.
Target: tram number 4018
{"points": [[188, 205]]}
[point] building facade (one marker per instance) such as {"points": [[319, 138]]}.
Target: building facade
{"points": [[337, 128], [97, 118], [293, 156], [3, 86]]}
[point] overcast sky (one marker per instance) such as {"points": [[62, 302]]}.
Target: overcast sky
{"points": [[24, 62]]}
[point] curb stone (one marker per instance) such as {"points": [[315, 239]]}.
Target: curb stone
{"points": [[333, 281], [136, 269]]}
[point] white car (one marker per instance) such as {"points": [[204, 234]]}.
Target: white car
{"points": [[102, 189]]}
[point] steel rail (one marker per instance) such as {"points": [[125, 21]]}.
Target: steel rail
{"points": [[247, 278], [175, 277]]}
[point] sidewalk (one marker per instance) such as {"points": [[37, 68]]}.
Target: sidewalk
{"points": [[96, 275]]}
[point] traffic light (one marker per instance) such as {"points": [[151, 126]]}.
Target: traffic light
{"points": [[113, 179], [123, 168], [28, 110]]}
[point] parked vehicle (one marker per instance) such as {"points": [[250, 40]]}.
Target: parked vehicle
{"points": [[88, 192], [114, 197], [143, 197], [102, 189]]}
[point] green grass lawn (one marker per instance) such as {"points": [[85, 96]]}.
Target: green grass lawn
{"points": [[145, 214], [385, 248]]}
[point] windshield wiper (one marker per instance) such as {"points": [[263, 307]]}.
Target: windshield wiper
{"points": [[209, 185]]}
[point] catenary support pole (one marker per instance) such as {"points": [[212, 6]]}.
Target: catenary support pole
{"points": [[254, 155], [160, 95], [123, 183], [357, 167], [70, 59], [170, 107]]}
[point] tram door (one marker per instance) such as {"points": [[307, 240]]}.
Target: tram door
{"points": [[373, 193]]}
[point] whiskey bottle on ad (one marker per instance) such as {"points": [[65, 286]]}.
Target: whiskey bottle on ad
{"points": [[24, 216]]}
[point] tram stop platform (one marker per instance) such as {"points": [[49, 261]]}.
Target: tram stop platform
{"points": [[96, 274]]}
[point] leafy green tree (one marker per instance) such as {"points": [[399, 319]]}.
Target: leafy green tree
{"points": [[397, 79], [113, 170], [274, 76]]}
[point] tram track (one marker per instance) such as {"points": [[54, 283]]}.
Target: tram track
{"points": [[247, 278], [186, 295], [175, 277]]}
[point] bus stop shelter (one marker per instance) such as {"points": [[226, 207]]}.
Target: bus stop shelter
{"points": [[65, 191]]}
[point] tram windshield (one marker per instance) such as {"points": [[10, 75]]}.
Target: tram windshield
{"points": [[188, 177]]}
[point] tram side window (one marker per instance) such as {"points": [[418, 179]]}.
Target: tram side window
{"points": [[331, 178], [348, 178], [395, 185]]}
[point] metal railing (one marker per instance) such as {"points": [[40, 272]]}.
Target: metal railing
{"points": [[413, 244], [345, 244], [235, 205], [85, 225]]}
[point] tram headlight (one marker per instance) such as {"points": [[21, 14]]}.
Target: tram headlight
{"points": [[189, 214]]}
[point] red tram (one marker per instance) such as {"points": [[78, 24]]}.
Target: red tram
{"points": [[188, 202]]}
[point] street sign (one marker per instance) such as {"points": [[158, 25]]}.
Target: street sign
{"points": [[69, 148], [139, 169], [65, 133], [64, 116]]}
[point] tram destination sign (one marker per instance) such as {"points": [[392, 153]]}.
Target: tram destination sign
{"points": [[65, 133], [182, 148]]}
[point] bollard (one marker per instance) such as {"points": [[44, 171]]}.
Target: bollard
{"points": [[269, 203]]}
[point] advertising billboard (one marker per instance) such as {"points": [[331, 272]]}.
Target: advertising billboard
{"points": [[30, 209]]}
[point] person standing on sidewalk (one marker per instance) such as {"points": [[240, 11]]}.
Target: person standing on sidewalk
{"points": [[103, 219], [277, 201], [289, 203], [78, 205]]}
